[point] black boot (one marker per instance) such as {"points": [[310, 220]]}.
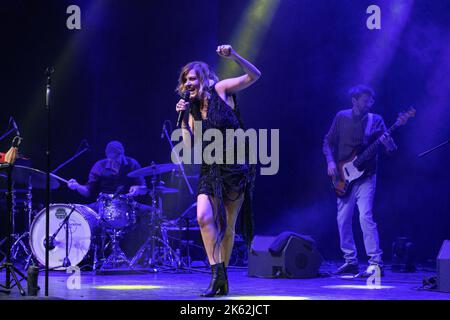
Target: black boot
{"points": [[219, 281]]}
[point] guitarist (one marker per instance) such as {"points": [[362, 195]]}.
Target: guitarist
{"points": [[350, 129]]}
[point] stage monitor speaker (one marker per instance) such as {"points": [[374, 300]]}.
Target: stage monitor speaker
{"points": [[298, 259], [443, 267]]}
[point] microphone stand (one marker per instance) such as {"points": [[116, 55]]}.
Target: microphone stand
{"points": [[180, 164], [9, 131], [6, 134], [48, 92], [50, 246], [77, 154], [432, 149]]}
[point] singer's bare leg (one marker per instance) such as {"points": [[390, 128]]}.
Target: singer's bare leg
{"points": [[208, 229]]}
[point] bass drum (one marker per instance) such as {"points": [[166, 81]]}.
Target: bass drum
{"points": [[83, 225]]}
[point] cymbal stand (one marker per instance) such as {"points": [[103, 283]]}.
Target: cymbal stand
{"points": [[157, 234], [173, 258]]}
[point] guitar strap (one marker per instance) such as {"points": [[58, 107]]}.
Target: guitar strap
{"points": [[368, 128]]}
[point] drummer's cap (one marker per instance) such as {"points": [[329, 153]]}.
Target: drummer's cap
{"points": [[114, 147]]}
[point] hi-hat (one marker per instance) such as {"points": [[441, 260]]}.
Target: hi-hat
{"points": [[153, 170]]}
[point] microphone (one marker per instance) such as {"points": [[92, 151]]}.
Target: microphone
{"points": [[186, 95], [15, 126]]}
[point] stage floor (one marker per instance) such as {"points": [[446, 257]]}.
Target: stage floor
{"points": [[187, 286]]}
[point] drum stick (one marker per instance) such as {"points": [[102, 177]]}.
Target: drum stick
{"points": [[59, 178]]}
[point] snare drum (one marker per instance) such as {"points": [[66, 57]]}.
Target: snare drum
{"points": [[83, 224], [117, 211]]}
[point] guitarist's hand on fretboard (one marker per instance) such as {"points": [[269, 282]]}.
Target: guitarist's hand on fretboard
{"points": [[388, 142]]}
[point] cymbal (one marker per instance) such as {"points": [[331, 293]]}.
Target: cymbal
{"points": [[153, 170], [37, 178]]}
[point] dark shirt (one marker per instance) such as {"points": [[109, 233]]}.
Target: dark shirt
{"points": [[347, 135], [104, 179]]}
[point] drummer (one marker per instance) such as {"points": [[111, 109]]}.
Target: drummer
{"points": [[110, 175]]}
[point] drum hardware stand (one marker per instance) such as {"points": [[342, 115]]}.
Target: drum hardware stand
{"points": [[187, 241], [11, 270], [150, 243], [188, 255], [99, 242], [170, 255], [117, 255], [2, 252], [188, 268], [102, 238], [14, 251], [150, 246], [29, 207], [14, 235], [19, 238]]}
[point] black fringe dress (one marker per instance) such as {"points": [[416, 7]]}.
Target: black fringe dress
{"points": [[226, 182]]}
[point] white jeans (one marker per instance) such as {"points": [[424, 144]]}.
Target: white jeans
{"points": [[361, 194]]}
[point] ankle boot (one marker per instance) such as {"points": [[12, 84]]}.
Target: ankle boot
{"points": [[219, 281]]}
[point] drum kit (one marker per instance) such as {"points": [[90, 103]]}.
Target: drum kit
{"points": [[80, 235]]}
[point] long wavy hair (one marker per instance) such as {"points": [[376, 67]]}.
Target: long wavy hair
{"points": [[204, 75]]}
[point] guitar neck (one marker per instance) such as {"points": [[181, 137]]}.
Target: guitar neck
{"points": [[372, 149]]}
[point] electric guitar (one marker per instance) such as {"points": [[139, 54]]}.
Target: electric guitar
{"points": [[350, 170]]}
